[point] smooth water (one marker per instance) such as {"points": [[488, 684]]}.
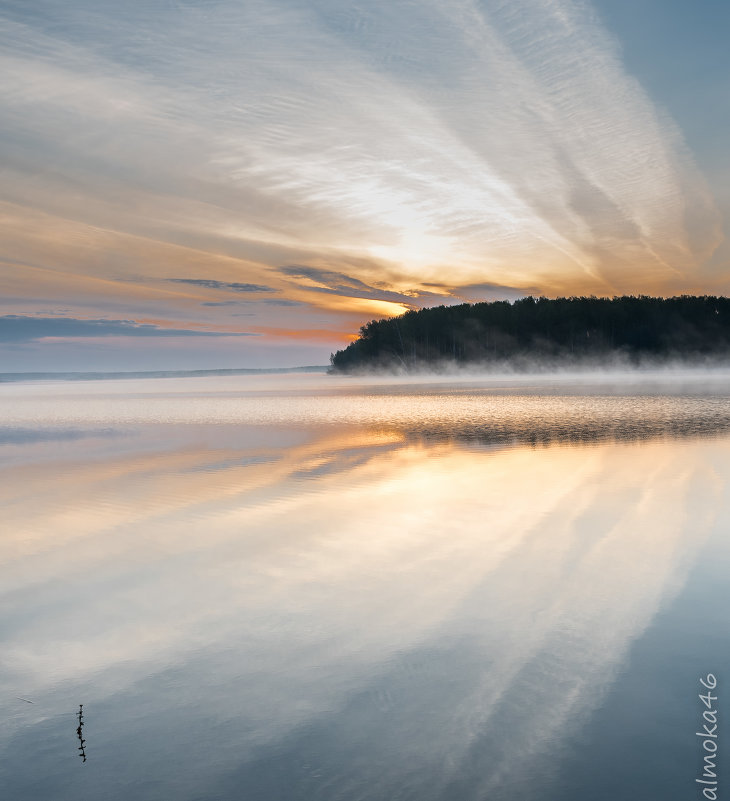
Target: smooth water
{"points": [[305, 587]]}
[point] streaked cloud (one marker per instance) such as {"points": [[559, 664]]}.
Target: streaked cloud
{"points": [[330, 282], [281, 302], [348, 158], [231, 286], [488, 292]]}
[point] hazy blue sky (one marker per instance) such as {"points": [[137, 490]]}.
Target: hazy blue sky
{"points": [[210, 183]]}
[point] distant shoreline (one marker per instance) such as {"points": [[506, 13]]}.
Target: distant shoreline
{"points": [[112, 375]]}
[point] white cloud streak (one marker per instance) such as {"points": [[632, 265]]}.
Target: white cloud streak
{"points": [[459, 143]]}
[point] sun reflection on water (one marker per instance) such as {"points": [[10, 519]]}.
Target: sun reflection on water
{"points": [[355, 594]]}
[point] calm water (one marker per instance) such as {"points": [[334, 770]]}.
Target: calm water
{"points": [[303, 587]]}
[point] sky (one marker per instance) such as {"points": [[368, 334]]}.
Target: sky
{"points": [[191, 184]]}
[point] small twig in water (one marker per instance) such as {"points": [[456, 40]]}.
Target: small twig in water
{"points": [[82, 747]]}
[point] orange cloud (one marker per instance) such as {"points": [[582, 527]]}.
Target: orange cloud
{"points": [[313, 334]]}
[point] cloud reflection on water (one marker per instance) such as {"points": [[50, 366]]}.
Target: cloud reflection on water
{"points": [[339, 613]]}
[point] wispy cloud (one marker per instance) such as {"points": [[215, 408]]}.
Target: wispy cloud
{"points": [[330, 282], [487, 291], [484, 291], [228, 286], [382, 147], [284, 302], [258, 302]]}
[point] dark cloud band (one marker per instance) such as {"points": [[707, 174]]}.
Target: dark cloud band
{"points": [[229, 286], [17, 328]]}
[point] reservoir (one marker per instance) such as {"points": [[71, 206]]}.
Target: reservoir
{"points": [[304, 586]]}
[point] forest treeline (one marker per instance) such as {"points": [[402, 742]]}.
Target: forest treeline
{"points": [[551, 331]]}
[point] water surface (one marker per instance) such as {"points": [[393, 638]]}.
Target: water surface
{"points": [[304, 587]]}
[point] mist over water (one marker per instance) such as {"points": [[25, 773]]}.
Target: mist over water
{"points": [[316, 587]]}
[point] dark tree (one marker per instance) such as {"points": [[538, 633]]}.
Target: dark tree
{"points": [[563, 330]]}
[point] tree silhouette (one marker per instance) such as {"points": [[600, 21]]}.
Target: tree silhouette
{"points": [[567, 330]]}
